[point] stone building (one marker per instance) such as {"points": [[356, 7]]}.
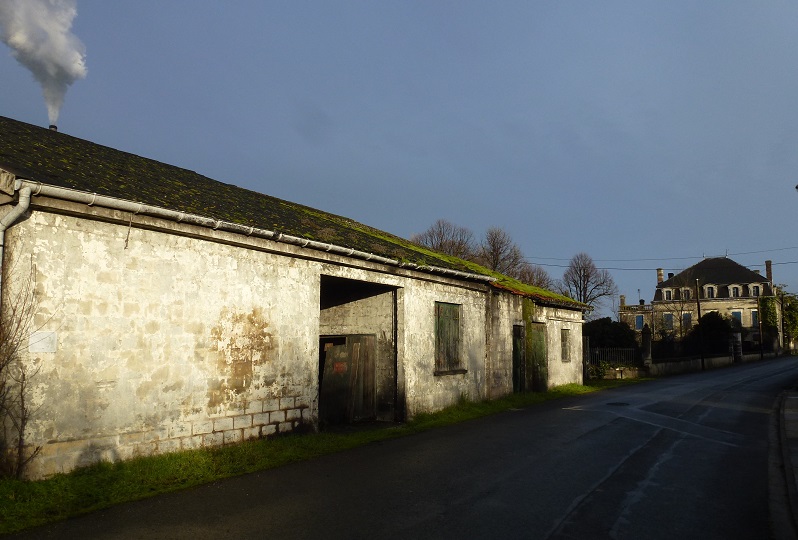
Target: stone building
{"points": [[721, 285], [171, 311]]}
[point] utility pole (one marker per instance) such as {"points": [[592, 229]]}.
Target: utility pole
{"points": [[700, 330]]}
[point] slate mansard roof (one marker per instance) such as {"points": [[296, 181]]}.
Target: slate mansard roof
{"points": [[718, 271], [58, 159]]}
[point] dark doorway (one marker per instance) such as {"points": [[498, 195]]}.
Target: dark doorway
{"points": [[519, 362], [347, 389], [357, 352], [536, 361]]}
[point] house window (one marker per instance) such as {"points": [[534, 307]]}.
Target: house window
{"points": [[735, 292], [667, 321], [754, 317], [737, 316], [447, 338], [564, 343], [710, 292], [756, 290], [686, 294], [638, 322], [687, 320], [668, 295]]}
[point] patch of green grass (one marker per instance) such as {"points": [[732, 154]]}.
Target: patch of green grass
{"points": [[27, 504]]}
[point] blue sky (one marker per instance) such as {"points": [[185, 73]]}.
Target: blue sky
{"points": [[646, 134]]}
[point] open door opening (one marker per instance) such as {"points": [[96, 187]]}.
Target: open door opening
{"points": [[348, 379], [357, 352]]}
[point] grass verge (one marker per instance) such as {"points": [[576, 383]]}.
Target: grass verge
{"points": [[28, 504]]}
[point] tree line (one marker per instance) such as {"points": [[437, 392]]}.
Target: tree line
{"points": [[497, 251]]}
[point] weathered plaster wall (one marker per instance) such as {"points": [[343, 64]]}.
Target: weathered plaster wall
{"points": [[425, 391], [506, 311], [568, 369], [152, 336], [158, 342]]}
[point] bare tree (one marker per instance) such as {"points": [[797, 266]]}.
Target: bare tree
{"points": [[16, 318], [498, 252], [448, 238], [585, 283], [535, 275]]}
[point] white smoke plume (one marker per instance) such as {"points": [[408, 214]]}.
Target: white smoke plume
{"points": [[38, 32]]}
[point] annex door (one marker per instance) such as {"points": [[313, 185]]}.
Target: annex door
{"points": [[347, 391], [519, 359], [537, 367]]}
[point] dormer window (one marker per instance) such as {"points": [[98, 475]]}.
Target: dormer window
{"points": [[710, 292], [685, 294], [668, 294], [735, 292], [755, 290]]}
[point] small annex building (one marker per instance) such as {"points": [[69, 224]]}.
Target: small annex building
{"points": [[171, 311]]}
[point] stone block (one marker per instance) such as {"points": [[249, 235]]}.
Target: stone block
{"points": [[276, 417], [255, 406], [131, 438], [155, 435], [213, 439], [260, 419], [232, 436], [237, 411], [251, 433], [168, 445], [145, 449], [244, 421], [200, 428], [286, 403], [270, 405], [191, 443], [285, 427], [223, 424], [293, 414], [179, 429], [302, 402], [268, 430]]}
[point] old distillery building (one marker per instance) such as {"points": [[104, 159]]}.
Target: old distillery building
{"points": [[172, 311]]}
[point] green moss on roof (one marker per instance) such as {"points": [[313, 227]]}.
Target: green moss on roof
{"points": [[59, 159]]}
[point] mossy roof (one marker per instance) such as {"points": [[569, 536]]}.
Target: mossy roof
{"points": [[58, 159]]}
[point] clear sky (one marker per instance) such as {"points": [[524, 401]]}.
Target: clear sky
{"points": [[646, 134]]}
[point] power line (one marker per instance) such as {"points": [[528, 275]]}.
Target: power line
{"points": [[621, 269], [534, 260]]}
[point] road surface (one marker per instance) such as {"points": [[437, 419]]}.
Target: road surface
{"points": [[681, 457]]}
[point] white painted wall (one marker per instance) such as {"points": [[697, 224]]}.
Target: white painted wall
{"points": [[160, 336]]}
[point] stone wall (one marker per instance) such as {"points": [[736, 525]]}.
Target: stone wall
{"points": [[158, 342], [152, 336]]}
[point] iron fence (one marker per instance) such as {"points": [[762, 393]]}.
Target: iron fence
{"points": [[613, 357]]}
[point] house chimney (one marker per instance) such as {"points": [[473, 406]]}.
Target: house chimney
{"points": [[670, 275], [53, 127], [660, 275], [769, 271], [623, 300]]}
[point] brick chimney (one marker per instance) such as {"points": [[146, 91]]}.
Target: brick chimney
{"points": [[769, 271], [623, 300], [660, 275]]}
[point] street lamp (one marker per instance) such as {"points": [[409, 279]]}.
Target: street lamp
{"points": [[700, 330]]}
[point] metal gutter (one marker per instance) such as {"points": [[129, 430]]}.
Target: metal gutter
{"points": [[93, 199]]}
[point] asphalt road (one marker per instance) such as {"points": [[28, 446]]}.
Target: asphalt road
{"points": [[682, 457]]}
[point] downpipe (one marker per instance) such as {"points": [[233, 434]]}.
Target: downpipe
{"points": [[8, 220]]}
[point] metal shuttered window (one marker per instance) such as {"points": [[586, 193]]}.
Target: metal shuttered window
{"points": [[447, 338]]}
